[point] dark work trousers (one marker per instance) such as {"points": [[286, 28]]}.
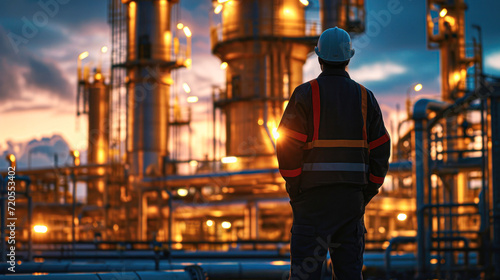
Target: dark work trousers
{"points": [[328, 218]]}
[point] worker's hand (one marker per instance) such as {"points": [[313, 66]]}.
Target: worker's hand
{"points": [[293, 192], [367, 196]]}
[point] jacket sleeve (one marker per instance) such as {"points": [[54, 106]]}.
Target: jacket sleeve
{"points": [[380, 149], [292, 137]]}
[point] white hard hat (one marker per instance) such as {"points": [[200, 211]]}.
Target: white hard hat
{"points": [[334, 45]]}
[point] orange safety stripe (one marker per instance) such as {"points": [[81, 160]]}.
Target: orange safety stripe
{"points": [[363, 109], [316, 107], [291, 173], [294, 134], [376, 179], [377, 142], [336, 144]]}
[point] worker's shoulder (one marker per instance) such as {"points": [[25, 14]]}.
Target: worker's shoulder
{"points": [[302, 92], [303, 88], [368, 91]]}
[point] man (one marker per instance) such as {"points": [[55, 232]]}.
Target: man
{"points": [[333, 153]]}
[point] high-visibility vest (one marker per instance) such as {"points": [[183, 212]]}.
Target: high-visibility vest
{"points": [[328, 159]]}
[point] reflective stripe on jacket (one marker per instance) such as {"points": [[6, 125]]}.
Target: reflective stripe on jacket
{"points": [[332, 131]]}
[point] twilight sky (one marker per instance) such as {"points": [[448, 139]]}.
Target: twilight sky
{"points": [[38, 64]]}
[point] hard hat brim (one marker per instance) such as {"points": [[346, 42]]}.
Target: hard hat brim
{"points": [[330, 60]]}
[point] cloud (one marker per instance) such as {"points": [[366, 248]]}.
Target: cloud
{"points": [[47, 76], [17, 108], [23, 75], [494, 60], [376, 72], [37, 152]]}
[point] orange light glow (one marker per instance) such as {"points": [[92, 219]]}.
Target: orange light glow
{"points": [[218, 9], [12, 158], [443, 12], [40, 229], [229, 159], [187, 31], [83, 55], [418, 87]]}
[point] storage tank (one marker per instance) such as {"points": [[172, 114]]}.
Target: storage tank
{"points": [[148, 67], [265, 46]]}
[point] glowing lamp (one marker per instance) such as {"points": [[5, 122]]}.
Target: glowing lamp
{"points": [[40, 229], [186, 88], [187, 31], [402, 216], [226, 225], [418, 87], [443, 12], [83, 55], [182, 192], [229, 159], [192, 99], [218, 9]]}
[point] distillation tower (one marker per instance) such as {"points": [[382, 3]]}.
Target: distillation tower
{"points": [[265, 45]]}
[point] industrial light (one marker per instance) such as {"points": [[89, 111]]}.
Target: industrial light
{"points": [[443, 12], [182, 192], [381, 230], [116, 227], [186, 88], [402, 216], [304, 2], [221, 1], [180, 25], [229, 159], [168, 81], [193, 163], [276, 134], [104, 49], [187, 31], [450, 20], [279, 263], [11, 158], [260, 122], [456, 77], [40, 229], [418, 87], [218, 9], [226, 225], [83, 55], [188, 62], [223, 65], [76, 157], [97, 76], [210, 223], [192, 99]]}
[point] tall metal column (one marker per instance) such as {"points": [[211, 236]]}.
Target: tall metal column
{"points": [[494, 171]]}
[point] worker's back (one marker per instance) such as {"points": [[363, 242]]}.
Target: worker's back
{"points": [[333, 153]]}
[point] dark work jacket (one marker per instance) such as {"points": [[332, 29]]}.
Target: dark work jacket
{"points": [[327, 139]]}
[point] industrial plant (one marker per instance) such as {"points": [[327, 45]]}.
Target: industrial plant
{"points": [[153, 211]]}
